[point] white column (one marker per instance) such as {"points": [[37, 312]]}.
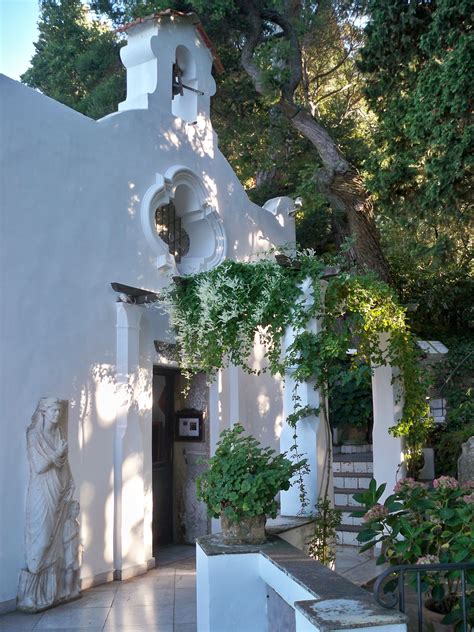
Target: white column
{"points": [[215, 421], [215, 412], [129, 500], [311, 437], [234, 403], [387, 398]]}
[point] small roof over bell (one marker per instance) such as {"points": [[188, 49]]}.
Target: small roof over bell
{"points": [[172, 14]]}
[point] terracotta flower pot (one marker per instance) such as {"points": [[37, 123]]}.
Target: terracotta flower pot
{"points": [[250, 530]]}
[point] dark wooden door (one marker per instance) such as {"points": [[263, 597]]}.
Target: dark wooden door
{"points": [[162, 455]]}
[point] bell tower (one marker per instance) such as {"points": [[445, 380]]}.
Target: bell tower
{"points": [[169, 60]]}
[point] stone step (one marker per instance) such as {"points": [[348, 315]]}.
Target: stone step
{"points": [[353, 463], [368, 475], [347, 519], [347, 535], [343, 496], [352, 449], [350, 528], [358, 457], [352, 480]]}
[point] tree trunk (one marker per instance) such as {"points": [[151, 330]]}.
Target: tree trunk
{"points": [[338, 179], [345, 190]]}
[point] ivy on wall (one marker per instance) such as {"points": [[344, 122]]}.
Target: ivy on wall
{"points": [[216, 316]]}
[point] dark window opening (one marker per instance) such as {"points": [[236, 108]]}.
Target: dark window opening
{"points": [[170, 230]]}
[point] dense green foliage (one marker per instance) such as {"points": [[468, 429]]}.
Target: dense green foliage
{"points": [[216, 316], [417, 61], [421, 525], [447, 441], [350, 395], [243, 478], [454, 379]]}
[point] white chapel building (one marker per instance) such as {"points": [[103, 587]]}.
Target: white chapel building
{"points": [[96, 218]]}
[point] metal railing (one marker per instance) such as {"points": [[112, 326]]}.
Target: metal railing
{"points": [[397, 595]]}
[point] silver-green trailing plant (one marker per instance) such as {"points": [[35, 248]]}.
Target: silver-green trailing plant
{"points": [[217, 314]]}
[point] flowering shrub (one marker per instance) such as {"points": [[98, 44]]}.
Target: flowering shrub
{"points": [[445, 482], [428, 559], [405, 484], [376, 513], [418, 524]]}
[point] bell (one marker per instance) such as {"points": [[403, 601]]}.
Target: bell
{"points": [[177, 84]]}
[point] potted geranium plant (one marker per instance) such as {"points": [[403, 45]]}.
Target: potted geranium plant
{"points": [[241, 483]]}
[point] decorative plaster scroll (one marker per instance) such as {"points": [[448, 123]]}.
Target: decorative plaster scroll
{"points": [[139, 58], [51, 530], [280, 205]]}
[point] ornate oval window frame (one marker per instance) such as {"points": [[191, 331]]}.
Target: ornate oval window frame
{"points": [[200, 218]]}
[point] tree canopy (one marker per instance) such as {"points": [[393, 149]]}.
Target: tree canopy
{"points": [[76, 59], [416, 61]]}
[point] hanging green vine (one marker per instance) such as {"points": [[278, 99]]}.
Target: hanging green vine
{"points": [[217, 314]]}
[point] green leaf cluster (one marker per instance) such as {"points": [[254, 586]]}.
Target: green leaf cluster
{"points": [[359, 308], [243, 478], [422, 525], [217, 314], [350, 395], [417, 63]]}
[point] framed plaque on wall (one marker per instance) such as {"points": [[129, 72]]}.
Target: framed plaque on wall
{"points": [[189, 425]]}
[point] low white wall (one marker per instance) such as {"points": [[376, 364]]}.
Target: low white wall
{"points": [[233, 582], [230, 593]]}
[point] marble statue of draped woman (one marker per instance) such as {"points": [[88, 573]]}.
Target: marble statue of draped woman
{"points": [[50, 491]]}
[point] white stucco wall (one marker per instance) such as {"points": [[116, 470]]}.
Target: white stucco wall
{"points": [[71, 224]]}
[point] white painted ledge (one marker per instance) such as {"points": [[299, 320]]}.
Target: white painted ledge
{"points": [[234, 582]]}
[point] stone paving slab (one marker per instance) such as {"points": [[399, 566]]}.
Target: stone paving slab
{"points": [[163, 600]]}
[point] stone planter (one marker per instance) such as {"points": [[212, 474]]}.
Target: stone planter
{"points": [[249, 530]]}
